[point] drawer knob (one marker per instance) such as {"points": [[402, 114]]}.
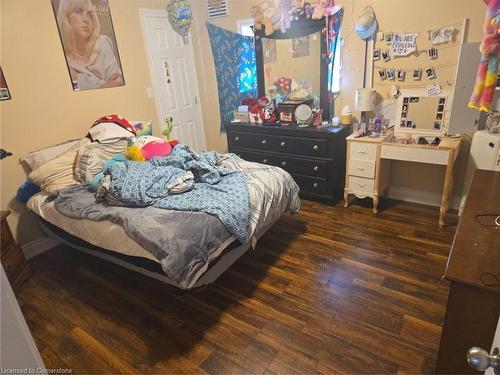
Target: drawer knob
{"points": [[362, 152], [315, 147], [264, 161], [263, 142], [283, 144], [315, 185], [283, 163], [362, 184], [361, 168], [236, 139], [316, 168]]}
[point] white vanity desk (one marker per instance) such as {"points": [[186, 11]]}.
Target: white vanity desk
{"points": [[368, 166]]}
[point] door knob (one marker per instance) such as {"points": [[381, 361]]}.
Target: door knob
{"points": [[479, 359]]}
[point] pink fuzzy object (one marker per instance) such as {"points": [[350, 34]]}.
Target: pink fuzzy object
{"points": [[153, 146]]}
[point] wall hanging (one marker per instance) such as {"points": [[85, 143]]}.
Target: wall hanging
{"points": [[89, 43], [217, 8], [235, 68], [486, 77], [4, 89], [180, 17]]}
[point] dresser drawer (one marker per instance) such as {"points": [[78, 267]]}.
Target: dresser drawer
{"points": [[362, 168], [302, 146], [313, 168], [361, 186], [257, 157], [311, 184], [363, 150], [13, 261], [249, 140], [415, 154]]}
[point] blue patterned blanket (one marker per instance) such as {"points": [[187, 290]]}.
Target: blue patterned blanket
{"points": [[207, 188]]}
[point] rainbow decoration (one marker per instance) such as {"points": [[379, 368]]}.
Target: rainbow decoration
{"points": [[486, 77]]}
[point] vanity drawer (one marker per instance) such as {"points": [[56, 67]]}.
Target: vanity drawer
{"points": [[257, 157], [248, 140], [362, 168], [363, 150], [314, 168], [302, 146], [415, 154], [361, 186], [311, 184]]}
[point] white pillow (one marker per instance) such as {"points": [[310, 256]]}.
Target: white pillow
{"points": [[37, 158], [91, 156], [58, 173]]}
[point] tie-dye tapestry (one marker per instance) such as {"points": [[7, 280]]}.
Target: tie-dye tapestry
{"points": [[234, 59]]}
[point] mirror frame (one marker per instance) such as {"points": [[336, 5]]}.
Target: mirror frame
{"points": [[298, 28], [423, 93]]}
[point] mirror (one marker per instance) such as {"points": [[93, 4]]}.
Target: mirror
{"points": [[294, 64], [292, 68], [422, 114]]}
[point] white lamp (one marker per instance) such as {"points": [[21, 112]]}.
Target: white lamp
{"points": [[364, 102]]}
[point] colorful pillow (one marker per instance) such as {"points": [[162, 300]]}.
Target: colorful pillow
{"points": [[58, 173], [91, 156], [36, 158], [142, 128], [148, 147]]}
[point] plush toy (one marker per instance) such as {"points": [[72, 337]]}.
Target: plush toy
{"points": [[285, 8], [272, 16], [297, 10], [258, 17], [147, 147], [308, 10], [486, 77], [319, 10]]}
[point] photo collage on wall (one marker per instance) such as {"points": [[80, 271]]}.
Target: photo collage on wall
{"points": [[410, 124], [89, 43]]}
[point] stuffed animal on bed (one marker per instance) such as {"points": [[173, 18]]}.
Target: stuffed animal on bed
{"points": [[486, 76], [147, 147]]}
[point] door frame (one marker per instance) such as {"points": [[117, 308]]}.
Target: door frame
{"points": [[143, 15]]}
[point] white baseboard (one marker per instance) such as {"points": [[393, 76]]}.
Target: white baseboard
{"points": [[429, 198], [39, 246]]}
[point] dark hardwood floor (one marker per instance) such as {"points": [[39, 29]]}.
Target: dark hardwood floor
{"points": [[330, 290]]}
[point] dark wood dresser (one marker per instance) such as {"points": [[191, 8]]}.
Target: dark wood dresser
{"points": [[314, 157], [12, 256], [474, 272]]}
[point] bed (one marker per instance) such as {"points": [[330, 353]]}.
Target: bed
{"points": [[195, 240]]}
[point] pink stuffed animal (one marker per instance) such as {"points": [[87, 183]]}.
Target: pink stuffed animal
{"points": [[319, 10]]}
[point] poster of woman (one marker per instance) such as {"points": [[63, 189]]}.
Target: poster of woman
{"points": [[89, 43], [4, 90]]}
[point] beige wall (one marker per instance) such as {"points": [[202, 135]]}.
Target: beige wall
{"points": [[44, 110]]}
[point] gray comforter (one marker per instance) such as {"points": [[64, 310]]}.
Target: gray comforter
{"points": [[185, 242], [181, 240]]}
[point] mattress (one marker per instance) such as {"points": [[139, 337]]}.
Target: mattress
{"points": [[103, 234]]}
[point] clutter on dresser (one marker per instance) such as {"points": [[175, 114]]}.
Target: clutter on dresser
{"points": [[287, 111], [364, 101]]}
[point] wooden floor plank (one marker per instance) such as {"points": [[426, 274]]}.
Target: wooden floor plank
{"points": [[329, 290]]}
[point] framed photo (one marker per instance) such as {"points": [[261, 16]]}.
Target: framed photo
{"points": [[4, 89], [437, 125], [431, 74], [388, 38], [417, 75], [89, 43], [390, 74], [401, 75], [300, 46], [386, 56], [269, 50], [376, 54], [433, 53], [382, 75]]}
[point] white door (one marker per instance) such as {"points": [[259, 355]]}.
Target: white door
{"points": [[173, 73]]}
